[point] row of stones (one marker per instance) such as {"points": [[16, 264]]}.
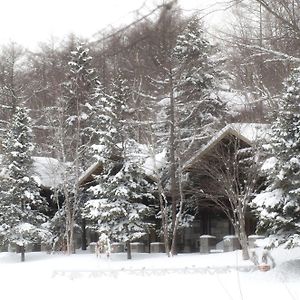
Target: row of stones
{"points": [[135, 247], [208, 243]]}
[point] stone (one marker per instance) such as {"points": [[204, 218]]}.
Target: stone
{"points": [[92, 247], [231, 243], [157, 247], [137, 247], [117, 248], [207, 243], [252, 239]]}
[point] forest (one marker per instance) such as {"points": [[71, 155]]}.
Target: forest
{"points": [[163, 85]]}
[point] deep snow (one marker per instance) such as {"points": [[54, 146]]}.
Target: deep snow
{"points": [[148, 276]]}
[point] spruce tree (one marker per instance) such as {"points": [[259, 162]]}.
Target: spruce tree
{"points": [[78, 109], [278, 206], [194, 110], [118, 209], [21, 206], [121, 206], [198, 74], [79, 91], [107, 129]]}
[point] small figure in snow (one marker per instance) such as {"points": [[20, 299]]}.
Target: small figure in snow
{"points": [[266, 259], [103, 245]]}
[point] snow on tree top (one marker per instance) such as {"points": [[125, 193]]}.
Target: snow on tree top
{"points": [[154, 163], [269, 164]]}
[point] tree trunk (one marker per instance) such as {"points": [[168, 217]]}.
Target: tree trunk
{"points": [[178, 215], [22, 250], [163, 205], [240, 232], [83, 235], [164, 217], [244, 240], [173, 163], [128, 250]]}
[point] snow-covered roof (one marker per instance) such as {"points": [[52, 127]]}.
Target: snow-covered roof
{"points": [[247, 132], [48, 171], [252, 131], [150, 162]]}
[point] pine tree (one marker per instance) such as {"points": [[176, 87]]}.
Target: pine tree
{"points": [[78, 97], [107, 127], [121, 201], [109, 122], [21, 205], [117, 210], [194, 111], [121, 94], [79, 91], [278, 206], [198, 75]]}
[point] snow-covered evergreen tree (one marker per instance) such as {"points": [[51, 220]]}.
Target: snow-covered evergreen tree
{"points": [[121, 94], [199, 75], [110, 127], [21, 206], [191, 110], [278, 206], [75, 135], [120, 204], [106, 125], [79, 96]]}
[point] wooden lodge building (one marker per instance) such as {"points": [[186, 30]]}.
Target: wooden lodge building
{"points": [[208, 217]]}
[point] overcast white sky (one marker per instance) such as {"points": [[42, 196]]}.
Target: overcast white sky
{"points": [[28, 22]]}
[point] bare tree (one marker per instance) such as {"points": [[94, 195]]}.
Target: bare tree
{"points": [[11, 81], [262, 42], [228, 176]]}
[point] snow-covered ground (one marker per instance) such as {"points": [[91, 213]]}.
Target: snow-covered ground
{"points": [[148, 276]]}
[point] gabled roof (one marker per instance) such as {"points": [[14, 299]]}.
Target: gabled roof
{"points": [[247, 132], [88, 175]]}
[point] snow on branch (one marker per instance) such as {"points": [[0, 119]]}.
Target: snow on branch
{"points": [[279, 54]]}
